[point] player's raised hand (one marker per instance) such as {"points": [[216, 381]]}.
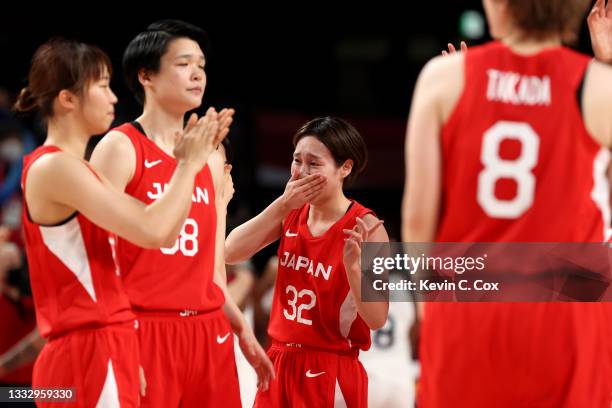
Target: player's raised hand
{"points": [[600, 29], [228, 184], [453, 50], [356, 236], [226, 117], [199, 139]]}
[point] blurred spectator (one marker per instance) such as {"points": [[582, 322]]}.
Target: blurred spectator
{"points": [[240, 281], [19, 341]]}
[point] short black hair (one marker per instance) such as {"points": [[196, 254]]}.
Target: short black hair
{"points": [[146, 50], [341, 138]]}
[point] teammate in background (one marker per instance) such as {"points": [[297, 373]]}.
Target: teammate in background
{"points": [[81, 306], [318, 321], [522, 109], [178, 292]]}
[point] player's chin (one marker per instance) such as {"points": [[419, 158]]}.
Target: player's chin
{"points": [[317, 200], [102, 125], [192, 101]]}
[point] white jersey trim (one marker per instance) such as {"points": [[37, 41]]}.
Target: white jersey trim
{"points": [[601, 190], [339, 401], [66, 242], [109, 396]]}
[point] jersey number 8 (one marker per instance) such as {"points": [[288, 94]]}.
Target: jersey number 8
{"points": [[187, 241], [519, 170]]}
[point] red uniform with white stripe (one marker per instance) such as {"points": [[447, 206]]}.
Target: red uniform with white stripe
{"points": [[314, 323], [519, 166], [81, 308], [173, 293]]}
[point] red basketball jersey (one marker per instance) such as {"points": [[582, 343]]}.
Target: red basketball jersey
{"points": [[180, 277], [312, 302], [75, 281], [519, 164]]}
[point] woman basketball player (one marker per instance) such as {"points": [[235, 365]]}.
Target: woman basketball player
{"points": [[179, 293], [318, 321], [68, 208], [509, 143]]}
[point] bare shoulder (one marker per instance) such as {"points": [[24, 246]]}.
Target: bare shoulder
{"points": [[56, 175], [599, 68], [113, 143], [599, 78], [115, 158], [597, 108], [54, 167], [442, 66], [441, 82]]}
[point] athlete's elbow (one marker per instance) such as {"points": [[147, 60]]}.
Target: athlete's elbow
{"points": [[154, 238], [376, 323], [377, 320], [168, 242], [417, 227], [232, 257]]}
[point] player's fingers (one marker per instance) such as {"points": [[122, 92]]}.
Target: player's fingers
{"points": [[352, 234], [193, 119], [451, 48], [314, 184], [310, 179], [369, 230], [311, 191], [177, 137], [464, 47], [269, 367]]}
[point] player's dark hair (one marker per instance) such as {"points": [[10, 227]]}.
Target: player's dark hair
{"points": [[341, 138], [540, 18], [60, 64], [146, 50]]}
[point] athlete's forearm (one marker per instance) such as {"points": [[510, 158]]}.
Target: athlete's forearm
{"points": [[373, 313], [231, 310], [247, 239], [165, 217], [220, 242], [235, 316]]}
